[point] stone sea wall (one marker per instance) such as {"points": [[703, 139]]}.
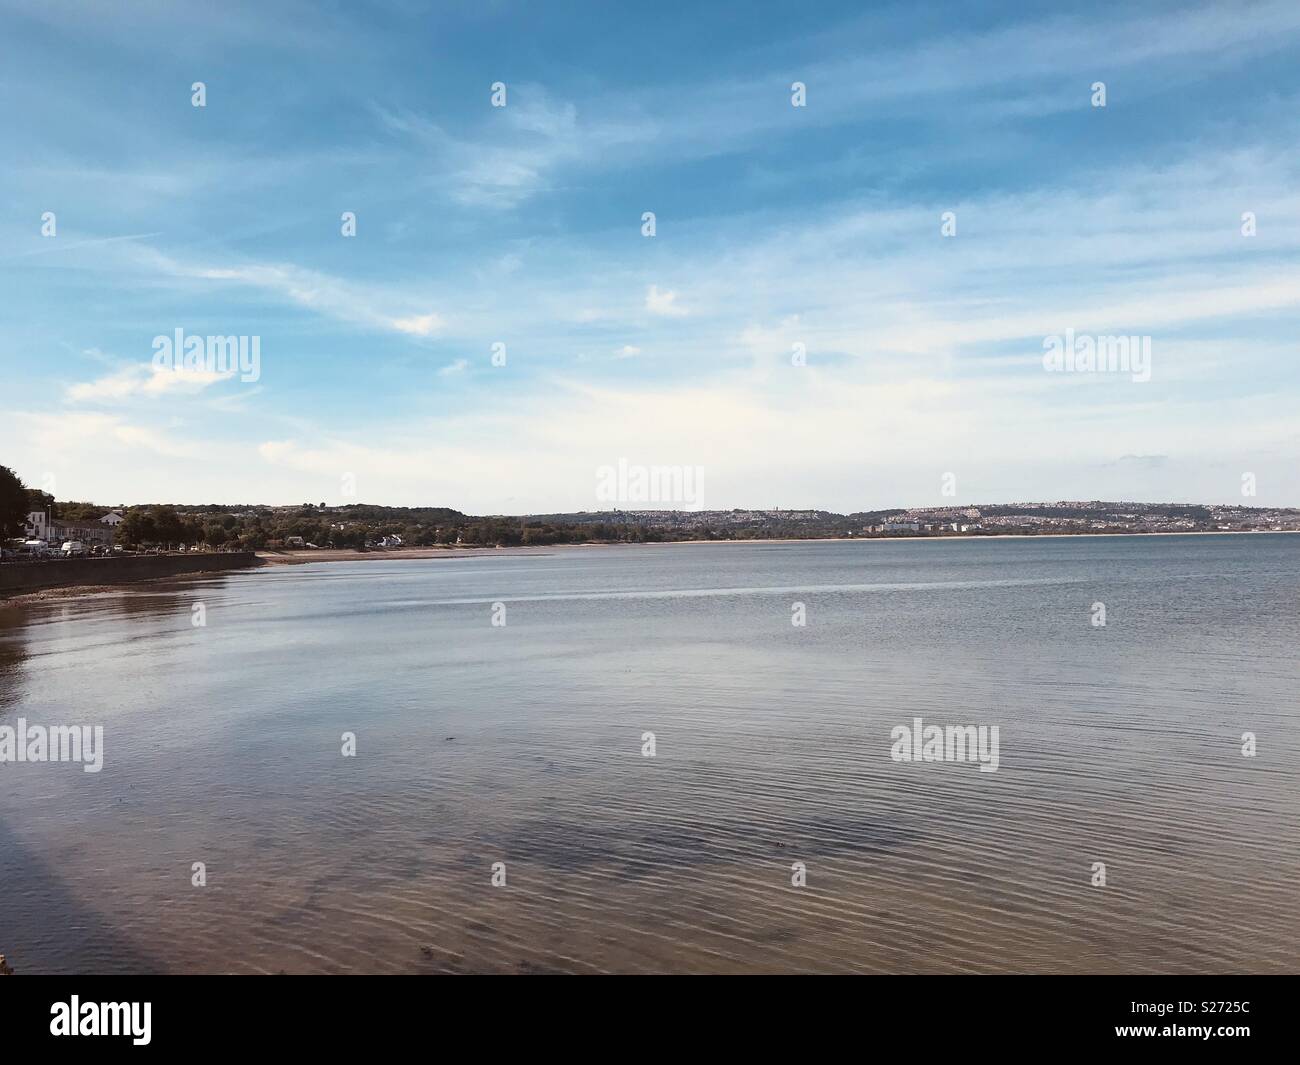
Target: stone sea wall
{"points": [[18, 577]]}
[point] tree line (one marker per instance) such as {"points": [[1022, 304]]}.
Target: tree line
{"points": [[355, 526], [254, 528]]}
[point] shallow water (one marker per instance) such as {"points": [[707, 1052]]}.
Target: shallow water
{"points": [[522, 744]]}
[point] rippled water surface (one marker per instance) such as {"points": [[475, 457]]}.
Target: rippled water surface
{"points": [[522, 744]]}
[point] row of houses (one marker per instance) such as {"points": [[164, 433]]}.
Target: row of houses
{"points": [[921, 526], [41, 525]]}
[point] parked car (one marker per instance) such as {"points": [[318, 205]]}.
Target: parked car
{"points": [[73, 548], [34, 549]]}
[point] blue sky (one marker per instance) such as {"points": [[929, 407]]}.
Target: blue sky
{"points": [[776, 226]]}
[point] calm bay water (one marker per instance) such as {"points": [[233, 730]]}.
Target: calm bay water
{"points": [[522, 744]]}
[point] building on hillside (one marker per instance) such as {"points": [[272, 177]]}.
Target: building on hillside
{"points": [[112, 518]]}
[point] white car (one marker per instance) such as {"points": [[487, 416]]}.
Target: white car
{"points": [[72, 548]]}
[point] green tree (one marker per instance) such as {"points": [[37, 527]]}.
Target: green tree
{"points": [[214, 534], [168, 527], [13, 503], [38, 500], [191, 532], [137, 527], [79, 511]]}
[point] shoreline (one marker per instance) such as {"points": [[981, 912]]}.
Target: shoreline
{"points": [[303, 557]]}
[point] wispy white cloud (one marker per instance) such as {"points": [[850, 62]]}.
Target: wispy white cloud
{"points": [[420, 325], [143, 380], [71, 438], [663, 303], [519, 148], [368, 305], [1012, 69]]}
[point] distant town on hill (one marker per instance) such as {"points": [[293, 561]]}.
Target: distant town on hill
{"points": [[362, 526]]}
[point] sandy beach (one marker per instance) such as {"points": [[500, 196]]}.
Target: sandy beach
{"points": [[299, 557], [330, 554]]}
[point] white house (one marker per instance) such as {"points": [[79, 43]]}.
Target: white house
{"points": [[112, 518], [38, 525]]}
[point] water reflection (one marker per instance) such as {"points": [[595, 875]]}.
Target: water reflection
{"points": [[53, 816], [522, 744]]}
